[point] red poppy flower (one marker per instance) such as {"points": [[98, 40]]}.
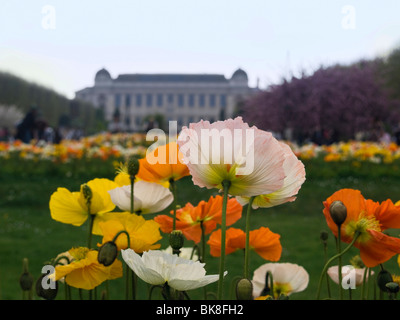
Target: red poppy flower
{"points": [[190, 219], [263, 241], [370, 219]]}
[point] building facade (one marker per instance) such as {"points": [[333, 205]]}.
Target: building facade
{"points": [[130, 101]]}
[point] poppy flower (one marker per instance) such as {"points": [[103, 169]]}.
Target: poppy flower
{"points": [[295, 175], [288, 278], [189, 218], [348, 272], [369, 219], [72, 208], [163, 164], [251, 159], [263, 241], [157, 268], [148, 197], [85, 272], [143, 234]]}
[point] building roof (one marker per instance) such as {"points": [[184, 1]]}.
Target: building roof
{"points": [[138, 77]]}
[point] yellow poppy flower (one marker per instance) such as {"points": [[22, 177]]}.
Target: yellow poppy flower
{"points": [[143, 234], [85, 272], [72, 208]]}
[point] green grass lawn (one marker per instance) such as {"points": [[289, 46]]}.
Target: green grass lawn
{"points": [[27, 230]]}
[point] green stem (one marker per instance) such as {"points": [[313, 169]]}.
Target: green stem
{"points": [[356, 235], [247, 248], [325, 260], [132, 189], [340, 263], [202, 257], [364, 284], [91, 222], [225, 187], [127, 269], [173, 190]]}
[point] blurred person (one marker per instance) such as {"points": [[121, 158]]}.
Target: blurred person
{"points": [[26, 128]]}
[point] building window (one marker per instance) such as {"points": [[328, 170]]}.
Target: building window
{"points": [[191, 100], [170, 98], [212, 100], [128, 100], [117, 100], [139, 100], [149, 99], [223, 100], [181, 100], [138, 121], [202, 100], [159, 100]]}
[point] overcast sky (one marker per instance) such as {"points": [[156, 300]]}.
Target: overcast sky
{"points": [[62, 44]]}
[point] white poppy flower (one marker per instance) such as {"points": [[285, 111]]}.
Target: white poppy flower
{"points": [[149, 197], [157, 267], [349, 274], [295, 177], [288, 278]]}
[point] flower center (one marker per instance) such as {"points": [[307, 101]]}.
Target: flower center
{"points": [[281, 288], [362, 225], [79, 253]]}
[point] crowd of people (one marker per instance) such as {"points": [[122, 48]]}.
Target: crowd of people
{"points": [[34, 126]]}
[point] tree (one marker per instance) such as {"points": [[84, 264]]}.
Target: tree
{"points": [[333, 103]]}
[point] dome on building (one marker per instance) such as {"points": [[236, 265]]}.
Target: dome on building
{"points": [[239, 73], [102, 75]]}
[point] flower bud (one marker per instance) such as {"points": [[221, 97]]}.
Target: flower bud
{"points": [[338, 212], [26, 278], [133, 166], [244, 289], [384, 277], [48, 293], [392, 287], [323, 236], [107, 253], [176, 240]]}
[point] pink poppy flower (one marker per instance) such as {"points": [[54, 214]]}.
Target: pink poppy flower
{"points": [[252, 160]]}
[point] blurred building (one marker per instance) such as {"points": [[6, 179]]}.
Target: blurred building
{"points": [[131, 101]]}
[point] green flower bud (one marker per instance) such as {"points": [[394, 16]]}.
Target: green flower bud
{"points": [[383, 278], [26, 278], [338, 212], [108, 252], [48, 293], [244, 289], [176, 240], [324, 236], [133, 166], [392, 287]]}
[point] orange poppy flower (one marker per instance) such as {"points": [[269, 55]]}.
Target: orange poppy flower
{"points": [[163, 164], [263, 241], [370, 219], [190, 218]]}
